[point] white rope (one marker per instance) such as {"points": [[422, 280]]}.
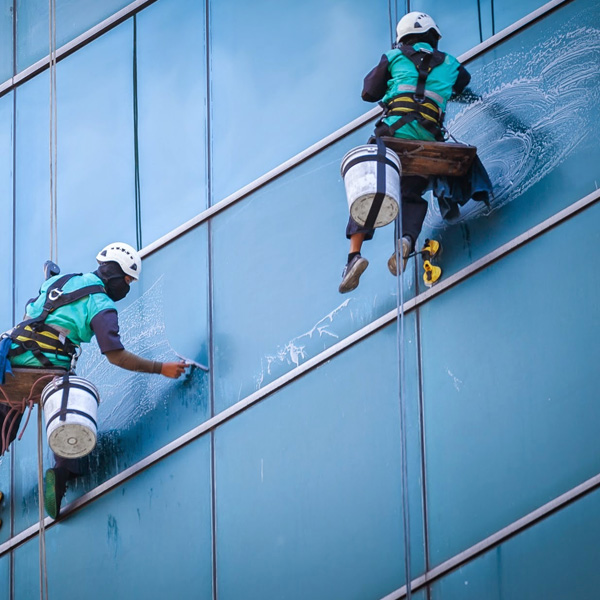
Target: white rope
{"points": [[398, 234], [53, 148], [42, 535]]}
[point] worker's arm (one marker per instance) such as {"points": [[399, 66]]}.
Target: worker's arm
{"points": [[462, 81], [133, 362], [106, 328], [375, 84]]}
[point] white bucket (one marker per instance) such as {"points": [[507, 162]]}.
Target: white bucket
{"points": [[70, 408], [360, 180]]}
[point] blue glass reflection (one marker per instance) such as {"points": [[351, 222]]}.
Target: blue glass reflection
{"points": [[6, 40], [510, 384], [555, 559], [172, 114], [73, 17], [285, 75], [278, 259], [6, 210], [133, 542], [463, 25], [309, 482], [96, 203]]}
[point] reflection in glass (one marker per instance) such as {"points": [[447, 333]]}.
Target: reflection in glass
{"points": [[171, 98], [149, 538], [72, 19], [311, 476], [6, 210], [508, 387], [285, 75]]}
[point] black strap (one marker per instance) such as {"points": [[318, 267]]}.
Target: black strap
{"points": [[370, 158], [70, 411], [424, 61], [55, 298], [65, 398], [380, 193]]}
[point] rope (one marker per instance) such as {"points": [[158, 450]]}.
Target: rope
{"points": [[53, 132], [401, 377], [42, 536]]}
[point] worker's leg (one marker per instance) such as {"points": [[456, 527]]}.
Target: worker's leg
{"points": [[356, 264], [414, 209], [56, 482]]}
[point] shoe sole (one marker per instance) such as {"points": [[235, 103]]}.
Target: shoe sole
{"points": [[392, 264], [352, 279], [50, 494]]}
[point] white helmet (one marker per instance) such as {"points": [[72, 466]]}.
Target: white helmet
{"points": [[415, 22], [128, 259]]}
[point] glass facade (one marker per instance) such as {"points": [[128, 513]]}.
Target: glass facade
{"points": [[329, 449]]}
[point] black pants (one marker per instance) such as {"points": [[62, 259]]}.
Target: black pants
{"points": [[413, 208]]}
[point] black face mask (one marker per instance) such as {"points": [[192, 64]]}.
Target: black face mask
{"points": [[114, 280]]}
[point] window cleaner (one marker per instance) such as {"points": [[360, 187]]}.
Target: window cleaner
{"points": [[414, 82], [70, 310]]}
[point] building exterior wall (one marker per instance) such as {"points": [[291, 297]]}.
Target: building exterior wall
{"points": [[279, 473]]}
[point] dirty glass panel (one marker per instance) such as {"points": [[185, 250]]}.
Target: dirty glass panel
{"points": [[308, 482], [555, 559], [171, 96], [278, 259], [6, 210], [510, 386], [164, 314], [534, 126], [73, 17], [283, 76], [149, 538], [6, 40], [96, 203]]}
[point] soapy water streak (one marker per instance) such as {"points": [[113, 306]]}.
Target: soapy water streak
{"points": [[127, 396], [525, 127], [295, 351]]}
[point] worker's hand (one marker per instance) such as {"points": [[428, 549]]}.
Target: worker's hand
{"points": [[173, 369]]}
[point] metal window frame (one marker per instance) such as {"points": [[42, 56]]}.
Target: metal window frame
{"points": [[313, 363]]}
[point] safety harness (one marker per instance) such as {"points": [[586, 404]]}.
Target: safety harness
{"points": [[34, 335], [415, 103]]}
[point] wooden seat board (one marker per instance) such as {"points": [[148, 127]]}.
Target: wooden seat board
{"points": [[432, 158]]}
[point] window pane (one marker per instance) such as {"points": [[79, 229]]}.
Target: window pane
{"points": [[133, 542], [73, 17], [459, 22], [557, 558], [172, 114], [510, 384], [278, 259], [283, 76], [165, 312], [6, 210], [96, 201], [308, 483], [6, 40], [506, 12]]}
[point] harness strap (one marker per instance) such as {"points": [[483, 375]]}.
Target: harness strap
{"points": [[29, 334], [425, 61]]}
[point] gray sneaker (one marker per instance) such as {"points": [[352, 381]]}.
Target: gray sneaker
{"points": [[404, 250], [351, 274]]}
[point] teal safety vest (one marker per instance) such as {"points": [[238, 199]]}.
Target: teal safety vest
{"points": [[52, 338], [424, 115]]}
